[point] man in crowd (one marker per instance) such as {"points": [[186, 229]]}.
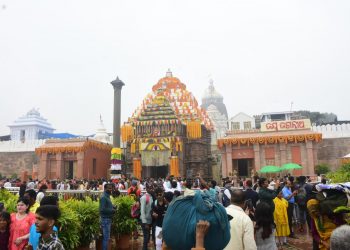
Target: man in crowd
{"points": [[146, 217], [250, 194], [46, 217], [289, 196], [242, 229], [30, 194], [267, 195], [106, 213]]}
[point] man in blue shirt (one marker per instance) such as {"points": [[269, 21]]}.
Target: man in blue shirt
{"points": [[289, 196]]}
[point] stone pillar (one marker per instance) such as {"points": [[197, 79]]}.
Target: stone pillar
{"points": [[117, 85], [59, 166], [310, 159], [283, 153], [80, 165], [223, 163], [43, 166], [228, 158], [256, 148]]}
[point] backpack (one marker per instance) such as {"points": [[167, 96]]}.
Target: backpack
{"points": [[133, 193], [225, 200], [301, 197], [135, 210], [182, 216]]}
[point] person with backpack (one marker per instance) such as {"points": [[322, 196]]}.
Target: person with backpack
{"points": [[301, 200], [134, 191], [226, 196]]}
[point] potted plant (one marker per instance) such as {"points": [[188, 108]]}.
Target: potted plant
{"points": [[69, 227], [88, 215], [122, 223]]}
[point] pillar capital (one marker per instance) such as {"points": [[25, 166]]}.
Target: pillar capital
{"points": [[117, 83]]}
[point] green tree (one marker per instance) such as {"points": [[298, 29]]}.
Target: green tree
{"points": [[322, 168], [341, 175], [317, 117]]}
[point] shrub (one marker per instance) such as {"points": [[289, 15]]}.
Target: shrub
{"points": [[69, 227], [122, 222], [322, 169], [340, 175], [88, 215], [9, 200]]}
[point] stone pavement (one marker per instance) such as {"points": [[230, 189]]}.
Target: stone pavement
{"points": [[303, 241]]}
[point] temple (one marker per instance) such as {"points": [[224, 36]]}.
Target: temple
{"points": [[278, 141], [169, 133], [31, 126]]}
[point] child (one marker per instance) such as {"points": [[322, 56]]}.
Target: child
{"points": [[281, 218], [46, 217], [5, 220]]}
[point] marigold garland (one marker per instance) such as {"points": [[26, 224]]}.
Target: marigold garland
{"points": [[270, 139], [174, 166], [69, 149], [137, 168]]}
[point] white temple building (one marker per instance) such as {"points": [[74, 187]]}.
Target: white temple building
{"points": [[213, 103], [102, 135], [30, 127], [220, 123]]}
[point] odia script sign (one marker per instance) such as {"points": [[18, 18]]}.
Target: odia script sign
{"points": [[285, 125]]}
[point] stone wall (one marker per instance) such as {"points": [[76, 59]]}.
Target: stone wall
{"points": [[330, 151], [16, 162]]}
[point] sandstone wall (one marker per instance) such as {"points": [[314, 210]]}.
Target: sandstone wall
{"points": [[331, 150], [16, 162]]}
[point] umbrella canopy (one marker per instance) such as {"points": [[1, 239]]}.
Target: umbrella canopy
{"points": [[270, 169], [291, 166]]}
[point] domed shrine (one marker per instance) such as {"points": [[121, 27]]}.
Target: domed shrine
{"points": [[212, 97], [169, 133]]}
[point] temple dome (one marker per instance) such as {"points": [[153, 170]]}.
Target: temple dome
{"points": [[211, 93], [212, 97]]}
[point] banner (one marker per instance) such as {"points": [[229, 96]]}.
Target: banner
{"points": [[285, 125]]}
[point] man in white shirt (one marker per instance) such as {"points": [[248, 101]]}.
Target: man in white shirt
{"points": [[7, 184], [242, 229]]}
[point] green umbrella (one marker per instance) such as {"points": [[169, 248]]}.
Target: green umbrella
{"points": [[270, 169], [291, 166]]}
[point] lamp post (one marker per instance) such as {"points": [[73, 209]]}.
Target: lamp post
{"points": [[117, 85]]}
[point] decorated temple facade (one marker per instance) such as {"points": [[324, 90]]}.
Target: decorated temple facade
{"points": [[244, 153], [169, 133]]}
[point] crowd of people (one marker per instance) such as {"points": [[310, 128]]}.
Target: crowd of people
{"points": [[266, 212], [32, 226], [262, 213]]}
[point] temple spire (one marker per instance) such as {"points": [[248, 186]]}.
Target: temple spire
{"points": [[169, 73]]}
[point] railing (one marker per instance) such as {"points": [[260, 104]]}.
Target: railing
{"points": [[67, 194]]}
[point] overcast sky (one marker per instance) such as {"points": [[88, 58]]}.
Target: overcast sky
{"points": [[60, 56]]}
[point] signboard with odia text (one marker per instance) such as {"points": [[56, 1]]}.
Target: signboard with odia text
{"points": [[285, 125]]}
